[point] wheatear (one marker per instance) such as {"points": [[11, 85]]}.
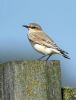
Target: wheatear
{"points": [[42, 43]]}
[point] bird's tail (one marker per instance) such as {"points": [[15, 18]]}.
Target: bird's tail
{"points": [[64, 54]]}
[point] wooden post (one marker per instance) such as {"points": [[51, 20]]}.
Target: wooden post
{"points": [[31, 80], [69, 93], [1, 73]]}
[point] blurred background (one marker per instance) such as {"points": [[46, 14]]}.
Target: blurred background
{"points": [[57, 18]]}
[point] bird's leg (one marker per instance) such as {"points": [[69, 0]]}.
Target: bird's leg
{"points": [[48, 57], [42, 57]]}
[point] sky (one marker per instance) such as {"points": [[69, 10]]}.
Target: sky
{"points": [[58, 20]]}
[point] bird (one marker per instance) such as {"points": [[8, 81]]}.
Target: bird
{"points": [[42, 43]]}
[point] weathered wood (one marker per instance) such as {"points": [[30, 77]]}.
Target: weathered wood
{"points": [[31, 80], [1, 71], [69, 93]]}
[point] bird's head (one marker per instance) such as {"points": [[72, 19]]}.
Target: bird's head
{"points": [[33, 26]]}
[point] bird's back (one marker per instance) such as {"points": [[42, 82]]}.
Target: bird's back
{"points": [[42, 38]]}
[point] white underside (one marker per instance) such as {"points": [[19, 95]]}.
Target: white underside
{"points": [[45, 50]]}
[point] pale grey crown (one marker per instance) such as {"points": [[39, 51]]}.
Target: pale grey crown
{"points": [[35, 26]]}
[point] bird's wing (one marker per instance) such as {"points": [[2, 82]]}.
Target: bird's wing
{"points": [[42, 39]]}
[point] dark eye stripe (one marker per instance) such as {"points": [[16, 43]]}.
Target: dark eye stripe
{"points": [[33, 27]]}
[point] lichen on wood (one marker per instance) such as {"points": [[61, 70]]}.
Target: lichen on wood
{"points": [[69, 93], [32, 80]]}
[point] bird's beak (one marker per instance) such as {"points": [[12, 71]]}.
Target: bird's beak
{"points": [[25, 26]]}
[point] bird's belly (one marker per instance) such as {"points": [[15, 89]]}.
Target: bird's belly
{"points": [[44, 50]]}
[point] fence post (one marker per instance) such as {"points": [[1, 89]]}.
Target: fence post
{"points": [[1, 73], [69, 93], [31, 80]]}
